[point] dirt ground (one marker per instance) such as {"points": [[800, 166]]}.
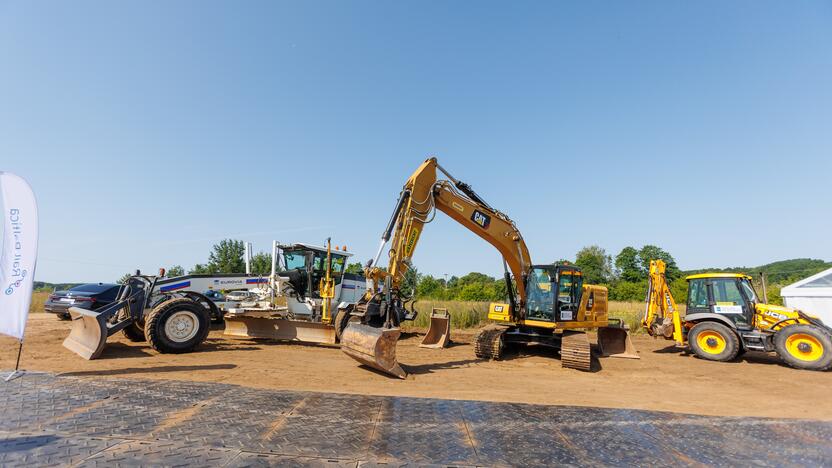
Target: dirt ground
{"points": [[663, 379]]}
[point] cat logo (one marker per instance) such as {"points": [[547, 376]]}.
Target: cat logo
{"points": [[482, 219]]}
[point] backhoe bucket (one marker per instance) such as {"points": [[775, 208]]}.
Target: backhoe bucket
{"points": [[615, 342], [88, 335], [439, 332], [373, 347]]}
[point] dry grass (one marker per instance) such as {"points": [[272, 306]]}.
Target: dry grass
{"points": [[38, 298], [474, 314]]}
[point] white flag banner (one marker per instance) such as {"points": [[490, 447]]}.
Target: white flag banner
{"points": [[19, 255]]}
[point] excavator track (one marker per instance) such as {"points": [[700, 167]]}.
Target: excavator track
{"points": [[489, 343], [575, 352]]}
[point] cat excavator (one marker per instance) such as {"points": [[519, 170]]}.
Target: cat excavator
{"points": [[547, 304]]}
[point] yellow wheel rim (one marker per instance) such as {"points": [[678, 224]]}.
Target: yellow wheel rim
{"points": [[711, 342], [804, 347]]}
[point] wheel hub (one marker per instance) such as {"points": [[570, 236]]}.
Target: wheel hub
{"points": [[711, 342], [182, 326]]}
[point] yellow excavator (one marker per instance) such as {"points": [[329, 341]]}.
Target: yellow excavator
{"points": [[547, 304], [725, 318]]}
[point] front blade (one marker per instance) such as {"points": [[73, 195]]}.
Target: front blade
{"points": [[88, 335], [373, 347]]}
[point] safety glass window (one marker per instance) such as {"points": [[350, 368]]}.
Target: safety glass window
{"points": [[539, 295], [697, 295], [727, 292]]}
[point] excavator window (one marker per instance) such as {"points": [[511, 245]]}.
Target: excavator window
{"points": [[540, 295], [697, 295]]}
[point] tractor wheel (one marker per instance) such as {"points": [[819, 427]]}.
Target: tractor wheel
{"points": [[714, 341], [804, 347], [134, 332], [342, 318], [177, 326]]}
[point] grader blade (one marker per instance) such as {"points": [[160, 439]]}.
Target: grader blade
{"points": [[373, 347], [88, 335], [615, 342], [439, 331], [279, 329]]}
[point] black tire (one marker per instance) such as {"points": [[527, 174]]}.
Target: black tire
{"points": [[714, 341], [342, 318], [804, 346], [185, 311], [134, 332]]}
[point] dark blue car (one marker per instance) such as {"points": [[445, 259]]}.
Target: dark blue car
{"points": [[90, 296]]}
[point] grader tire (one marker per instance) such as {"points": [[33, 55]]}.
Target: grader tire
{"points": [[489, 343], [177, 326], [714, 341], [804, 347], [342, 318]]}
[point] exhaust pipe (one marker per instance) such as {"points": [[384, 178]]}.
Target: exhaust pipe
{"points": [[373, 347]]}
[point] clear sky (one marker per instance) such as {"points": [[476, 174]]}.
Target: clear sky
{"points": [[151, 130]]}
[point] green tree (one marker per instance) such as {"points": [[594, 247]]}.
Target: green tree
{"points": [[410, 281], [200, 269], [355, 268], [651, 252], [595, 264], [227, 257], [124, 278], [430, 288], [629, 266], [261, 264], [174, 271]]}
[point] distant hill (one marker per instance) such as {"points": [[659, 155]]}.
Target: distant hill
{"points": [[782, 272]]}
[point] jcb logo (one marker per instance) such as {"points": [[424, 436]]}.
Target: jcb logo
{"points": [[482, 219]]}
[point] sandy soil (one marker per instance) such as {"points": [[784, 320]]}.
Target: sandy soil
{"points": [[663, 379]]}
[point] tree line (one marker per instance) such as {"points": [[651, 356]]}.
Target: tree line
{"points": [[625, 274]]}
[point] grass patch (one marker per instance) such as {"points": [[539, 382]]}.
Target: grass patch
{"points": [[474, 314], [38, 298]]}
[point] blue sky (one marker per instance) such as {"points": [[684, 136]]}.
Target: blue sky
{"points": [[151, 130]]}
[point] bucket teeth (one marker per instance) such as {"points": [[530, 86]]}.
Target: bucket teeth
{"points": [[575, 352], [373, 347]]}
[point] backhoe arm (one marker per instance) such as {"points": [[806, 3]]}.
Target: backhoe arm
{"points": [[661, 315]]}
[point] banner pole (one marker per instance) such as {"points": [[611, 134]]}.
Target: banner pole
{"points": [[17, 364]]}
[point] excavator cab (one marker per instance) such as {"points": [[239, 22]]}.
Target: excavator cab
{"points": [[553, 293]]}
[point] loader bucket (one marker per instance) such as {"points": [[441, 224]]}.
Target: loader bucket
{"points": [[373, 347], [89, 333], [615, 342], [439, 331]]}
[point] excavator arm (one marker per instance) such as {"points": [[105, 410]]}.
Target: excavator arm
{"points": [[420, 198], [372, 338]]}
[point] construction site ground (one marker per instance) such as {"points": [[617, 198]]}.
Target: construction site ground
{"points": [[664, 379]]}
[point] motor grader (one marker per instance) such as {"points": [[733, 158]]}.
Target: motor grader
{"points": [[547, 304], [724, 318]]}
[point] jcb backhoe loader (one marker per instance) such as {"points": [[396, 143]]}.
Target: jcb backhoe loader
{"points": [[547, 304], [724, 318]]}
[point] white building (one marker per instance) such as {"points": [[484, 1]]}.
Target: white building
{"points": [[812, 295]]}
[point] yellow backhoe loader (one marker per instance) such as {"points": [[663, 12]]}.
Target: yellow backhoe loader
{"points": [[547, 304], [724, 318]]}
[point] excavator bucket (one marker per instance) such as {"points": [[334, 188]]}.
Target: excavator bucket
{"points": [[88, 335], [373, 347], [615, 342], [280, 329], [439, 331]]}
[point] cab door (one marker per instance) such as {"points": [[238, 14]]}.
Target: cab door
{"points": [[728, 300]]}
